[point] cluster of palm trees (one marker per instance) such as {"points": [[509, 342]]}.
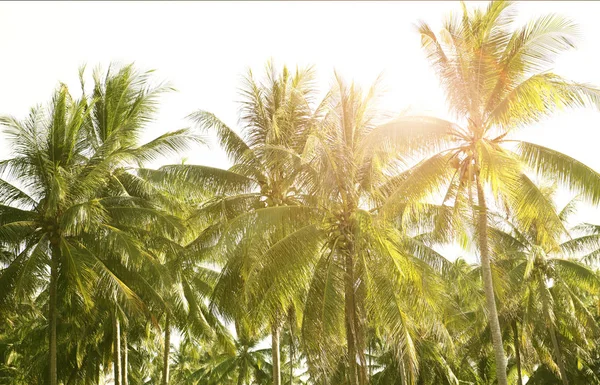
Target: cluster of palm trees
{"points": [[317, 257]]}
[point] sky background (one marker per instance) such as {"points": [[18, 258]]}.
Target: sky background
{"points": [[203, 49]]}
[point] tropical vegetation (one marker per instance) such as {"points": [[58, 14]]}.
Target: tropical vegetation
{"points": [[319, 256]]}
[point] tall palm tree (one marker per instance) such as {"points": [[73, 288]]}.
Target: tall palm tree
{"points": [[276, 115], [60, 196], [549, 283], [125, 101], [182, 281], [58, 207], [496, 79]]}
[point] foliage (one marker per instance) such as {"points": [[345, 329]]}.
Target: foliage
{"points": [[325, 236]]}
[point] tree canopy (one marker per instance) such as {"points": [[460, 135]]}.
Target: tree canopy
{"points": [[319, 256]]}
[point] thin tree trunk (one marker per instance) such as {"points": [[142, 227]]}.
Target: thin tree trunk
{"points": [[165, 373], [124, 358], [116, 348], [240, 380], [350, 324], [488, 285], [370, 360], [52, 312], [360, 348], [550, 324], [517, 352], [559, 356], [275, 353], [97, 374], [291, 354]]}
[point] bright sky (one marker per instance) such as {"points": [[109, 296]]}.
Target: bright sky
{"points": [[204, 47]]}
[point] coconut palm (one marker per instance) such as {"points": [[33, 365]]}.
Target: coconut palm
{"points": [[60, 197], [496, 78], [550, 286], [187, 293], [181, 280], [244, 364], [57, 208], [276, 115]]}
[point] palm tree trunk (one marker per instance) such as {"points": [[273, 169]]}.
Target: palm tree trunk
{"points": [[545, 295], [350, 315], [165, 373], [116, 348], [488, 285], [124, 358], [559, 357], [275, 353], [52, 316], [97, 374], [240, 380], [360, 350], [291, 355], [517, 352], [370, 360]]}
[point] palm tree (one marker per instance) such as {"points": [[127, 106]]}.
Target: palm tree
{"points": [[242, 364], [125, 102], [58, 208], [549, 284], [67, 161], [187, 294], [496, 79], [182, 281], [276, 115]]}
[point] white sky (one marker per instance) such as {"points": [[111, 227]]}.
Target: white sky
{"points": [[203, 48]]}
